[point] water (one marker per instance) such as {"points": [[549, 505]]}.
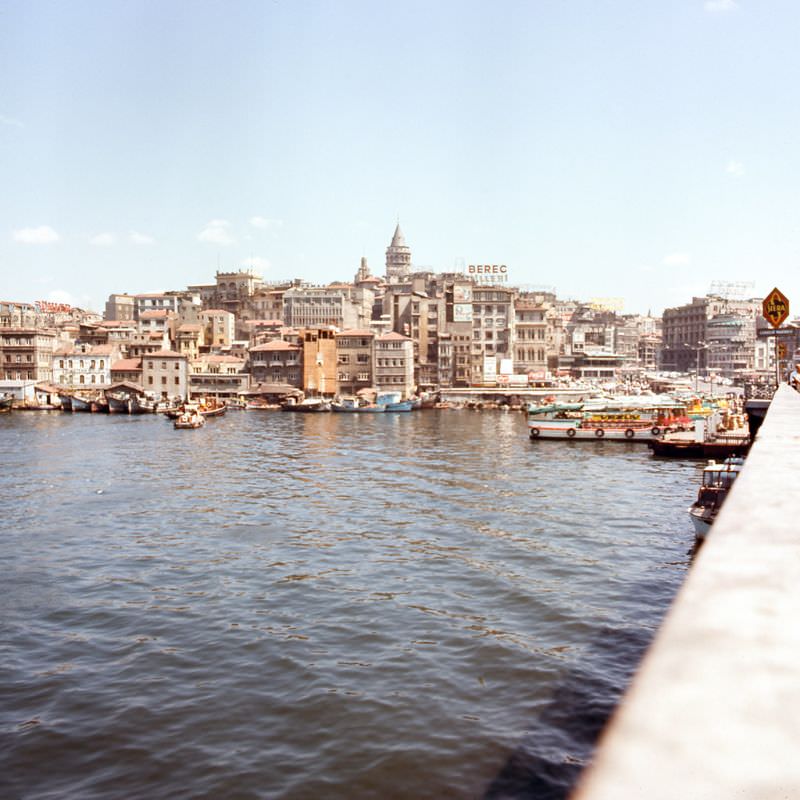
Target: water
{"points": [[302, 606]]}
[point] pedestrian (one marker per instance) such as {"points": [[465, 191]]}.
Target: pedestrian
{"points": [[794, 376]]}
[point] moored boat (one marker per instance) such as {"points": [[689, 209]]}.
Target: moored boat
{"points": [[595, 421], [311, 405], [401, 405], [716, 483], [80, 403], [5, 403]]}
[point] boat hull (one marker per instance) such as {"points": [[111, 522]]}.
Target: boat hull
{"points": [[544, 431], [701, 519]]}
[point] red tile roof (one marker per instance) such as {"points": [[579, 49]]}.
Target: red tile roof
{"points": [[274, 345], [127, 365]]}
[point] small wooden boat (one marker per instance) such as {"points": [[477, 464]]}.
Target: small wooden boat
{"points": [[190, 419], [5, 403]]}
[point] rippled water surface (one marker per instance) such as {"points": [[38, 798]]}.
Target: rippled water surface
{"points": [[339, 606]]}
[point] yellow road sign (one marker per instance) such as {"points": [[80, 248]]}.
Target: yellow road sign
{"points": [[775, 308]]}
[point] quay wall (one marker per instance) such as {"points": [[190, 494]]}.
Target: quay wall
{"points": [[714, 710]]}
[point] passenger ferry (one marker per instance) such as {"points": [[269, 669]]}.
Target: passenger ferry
{"points": [[623, 420]]}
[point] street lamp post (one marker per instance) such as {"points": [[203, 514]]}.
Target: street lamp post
{"points": [[697, 348]]}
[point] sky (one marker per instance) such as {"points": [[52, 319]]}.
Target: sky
{"points": [[639, 149]]}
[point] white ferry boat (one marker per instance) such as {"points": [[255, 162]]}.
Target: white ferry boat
{"points": [[623, 420]]}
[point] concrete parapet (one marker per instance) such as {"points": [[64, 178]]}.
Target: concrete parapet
{"points": [[714, 710]]}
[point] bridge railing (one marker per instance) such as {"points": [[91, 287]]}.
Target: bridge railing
{"points": [[714, 710]]}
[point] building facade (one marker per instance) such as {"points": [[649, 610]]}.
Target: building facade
{"points": [[355, 351]]}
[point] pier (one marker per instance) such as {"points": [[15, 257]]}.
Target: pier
{"points": [[714, 710]]}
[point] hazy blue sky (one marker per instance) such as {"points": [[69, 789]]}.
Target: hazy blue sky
{"points": [[639, 149]]}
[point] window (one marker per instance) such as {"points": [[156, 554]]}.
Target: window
{"points": [[102, 364], [177, 380], [163, 380], [82, 379], [150, 380]]}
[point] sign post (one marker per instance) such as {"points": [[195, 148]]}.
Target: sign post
{"points": [[776, 309]]}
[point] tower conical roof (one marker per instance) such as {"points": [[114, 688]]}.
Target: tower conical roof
{"points": [[398, 240]]}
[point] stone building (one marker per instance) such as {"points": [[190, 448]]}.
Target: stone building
{"points": [[686, 336], [538, 333], [166, 374], [277, 362], [339, 305], [219, 376], [26, 356], [84, 366], [354, 360], [127, 370], [120, 307], [219, 327], [319, 361], [493, 329], [394, 364]]}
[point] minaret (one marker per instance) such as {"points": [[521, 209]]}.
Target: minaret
{"points": [[363, 271], [398, 258]]}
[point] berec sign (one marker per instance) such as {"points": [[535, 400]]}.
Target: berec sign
{"points": [[775, 308], [488, 273]]}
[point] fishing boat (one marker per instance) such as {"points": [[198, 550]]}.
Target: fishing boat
{"points": [[80, 403], [400, 405], [716, 483], [211, 407], [346, 405], [311, 405], [190, 418], [616, 420]]}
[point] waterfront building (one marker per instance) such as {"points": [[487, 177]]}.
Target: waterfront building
{"points": [[398, 258], [454, 345], [218, 376], [319, 361], [416, 308], [355, 352], [493, 332], [127, 370], [84, 366], [26, 357], [731, 344], [277, 362], [685, 331], [394, 364], [166, 374], [537, 334], [120, 307]]}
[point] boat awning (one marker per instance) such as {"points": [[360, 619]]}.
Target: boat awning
{"points": [[273, 389]]}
